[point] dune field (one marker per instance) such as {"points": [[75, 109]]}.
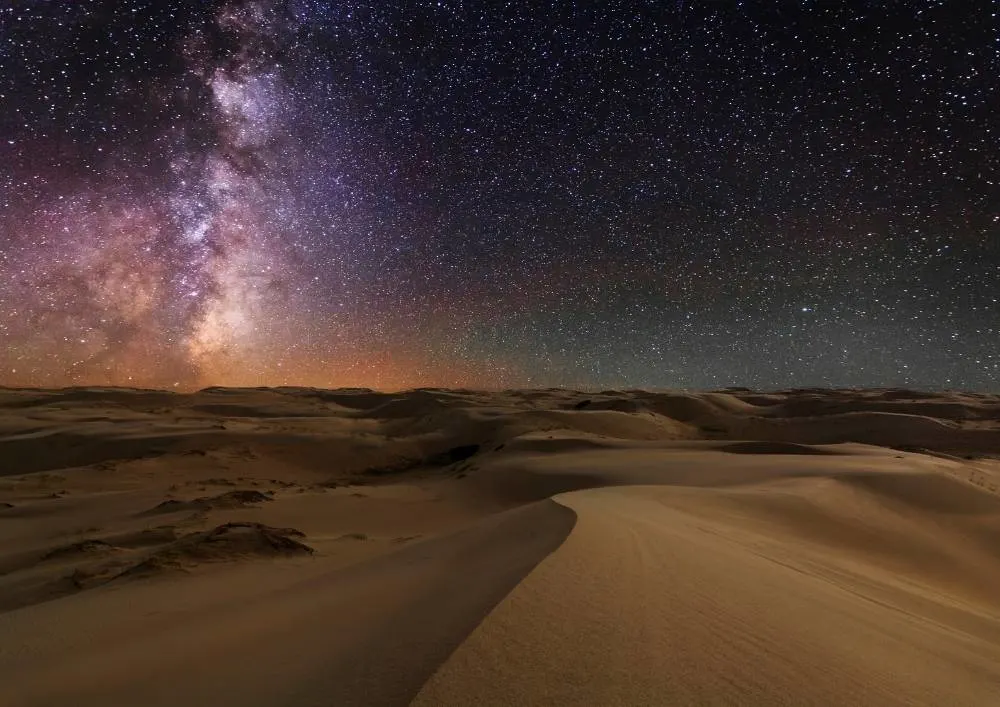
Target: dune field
{"points": [[293, 546]]}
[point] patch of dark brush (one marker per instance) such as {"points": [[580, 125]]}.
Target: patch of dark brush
{"points": [[441, 459], [455, 454], [232, 499]]}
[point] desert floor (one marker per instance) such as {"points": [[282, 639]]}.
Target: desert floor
{"points": [[530, 547]]}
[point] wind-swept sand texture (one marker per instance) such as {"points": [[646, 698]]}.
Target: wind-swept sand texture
{"points": [[314, 547], [804, 592]]}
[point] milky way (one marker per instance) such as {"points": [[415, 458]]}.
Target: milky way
{"points": [[263, 192], [231, 204], [198, 277]]}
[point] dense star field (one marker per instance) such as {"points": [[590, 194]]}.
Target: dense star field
{"points": [[393, 194]]}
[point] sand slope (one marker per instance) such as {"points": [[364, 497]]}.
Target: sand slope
{"points": [[803, 592], [303, 547], [370, 633]]}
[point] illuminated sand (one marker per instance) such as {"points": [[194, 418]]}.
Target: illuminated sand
{"points": [[306, 547]]}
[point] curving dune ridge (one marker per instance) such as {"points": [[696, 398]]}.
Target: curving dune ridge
{"points": [[440, 547], [803, 592]]}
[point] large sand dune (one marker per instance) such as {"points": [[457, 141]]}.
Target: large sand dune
{"points": [[447, 547]]}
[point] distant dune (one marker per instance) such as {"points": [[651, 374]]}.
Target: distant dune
{"points": [[295, 546]]}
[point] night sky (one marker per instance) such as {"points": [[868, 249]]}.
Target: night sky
{"points": [[491, 194]]}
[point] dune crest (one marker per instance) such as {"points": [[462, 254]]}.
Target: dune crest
{"points": [[808, 592]]}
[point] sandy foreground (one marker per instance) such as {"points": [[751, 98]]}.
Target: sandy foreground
{"points": [[539, 547]]}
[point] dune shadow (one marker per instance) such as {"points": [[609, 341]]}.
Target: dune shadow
{"points": [[451, 583]]}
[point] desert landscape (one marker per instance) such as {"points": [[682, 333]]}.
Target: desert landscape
{"points": [[297, 546]]}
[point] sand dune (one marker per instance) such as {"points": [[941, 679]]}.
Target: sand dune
{"points": [[368, 633], [804, 592], [298, 546]]}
